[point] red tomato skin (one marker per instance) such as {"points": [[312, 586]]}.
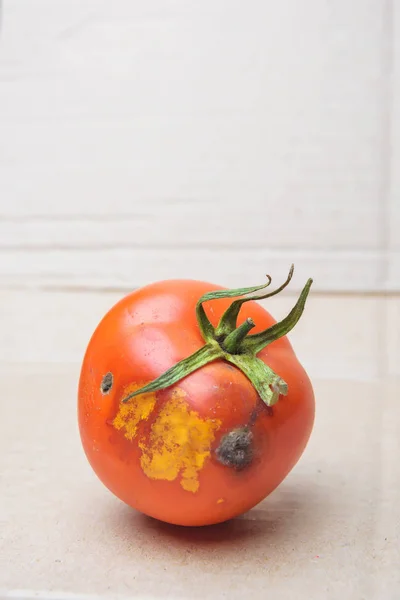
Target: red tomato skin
{"points": [[143, 335]]}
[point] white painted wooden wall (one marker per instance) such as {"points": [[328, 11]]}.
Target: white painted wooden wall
{"points": [[212, 139], [217, 139]]}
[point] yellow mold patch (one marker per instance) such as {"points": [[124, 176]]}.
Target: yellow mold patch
{"points": [[179, 443], [134, 411]]}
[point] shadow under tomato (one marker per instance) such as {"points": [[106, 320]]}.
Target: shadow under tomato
{"points": [[221, 533], [291, 511]]}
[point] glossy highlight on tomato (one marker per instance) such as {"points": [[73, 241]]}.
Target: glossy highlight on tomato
{"points": [[183, 414]]}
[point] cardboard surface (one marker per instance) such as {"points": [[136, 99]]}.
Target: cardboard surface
{"points": [[331, 530]]}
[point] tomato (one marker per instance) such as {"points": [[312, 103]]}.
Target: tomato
{"points": [[217, 436]]}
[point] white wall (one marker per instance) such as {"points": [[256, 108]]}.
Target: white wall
{"points": [[216, 139], [392, 230]]}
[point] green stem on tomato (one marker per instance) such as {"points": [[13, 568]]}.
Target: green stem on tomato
{"points": [[233, 340], [233, 344]]}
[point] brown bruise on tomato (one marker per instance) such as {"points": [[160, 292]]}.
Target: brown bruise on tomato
{"points": [[179, 443], [133, 412]]}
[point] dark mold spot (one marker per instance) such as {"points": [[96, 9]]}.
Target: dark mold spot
{"points": [[270, 410], [106, 383], [261, 408], [236, 448]]}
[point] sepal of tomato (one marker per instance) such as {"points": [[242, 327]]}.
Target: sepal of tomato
{"points": [[178, 407]]}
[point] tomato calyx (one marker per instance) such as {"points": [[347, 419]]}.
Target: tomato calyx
{"points": [[233, 343]]}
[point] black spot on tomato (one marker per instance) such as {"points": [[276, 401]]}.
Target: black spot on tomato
{"points": [[106, 383], [261, 408], [235, 449]]}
